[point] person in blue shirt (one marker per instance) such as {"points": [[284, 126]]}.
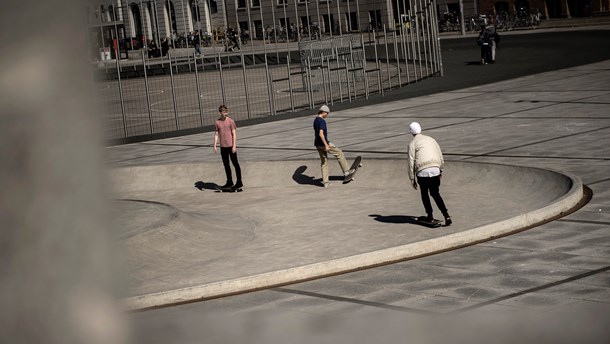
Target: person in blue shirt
{"points": [[324, 146]]}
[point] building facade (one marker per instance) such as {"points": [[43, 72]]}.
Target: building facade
{"points": [[123, 25], [135, 24], [132, 24], [548, 8]]}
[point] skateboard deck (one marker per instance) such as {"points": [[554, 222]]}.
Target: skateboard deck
{"points": [[355, 166], [432, 224], [231, 189]]}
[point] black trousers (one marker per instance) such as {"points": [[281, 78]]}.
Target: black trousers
{"points": [[429, 186], [227, 153], [486, 53]]}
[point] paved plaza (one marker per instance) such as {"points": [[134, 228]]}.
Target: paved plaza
{"points": [[131, 244], [553, 121]]}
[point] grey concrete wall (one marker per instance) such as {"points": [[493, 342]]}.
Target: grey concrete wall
{"points": [[55, 273]]}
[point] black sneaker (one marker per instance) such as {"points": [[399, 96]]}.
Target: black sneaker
{"points": [[238, 185], [227, 185], [448, 221], [426, 219]]}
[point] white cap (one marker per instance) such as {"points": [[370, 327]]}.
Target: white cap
{"points": [[324, 108], [415, 128]]}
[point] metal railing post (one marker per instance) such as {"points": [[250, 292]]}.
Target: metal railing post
{"points": [[199, 94], [425, 33], [387, 56], [330, 81], [147, 92], [349, 91], [309, 84], [171, 75], [222, 80], [339, 74], [118, 72], [243, 68], [321, 70], [290, 84], [403, 46], [379, 85], [397, 59], [364, 71], [353, 71], [437, 42], [270, 88]]}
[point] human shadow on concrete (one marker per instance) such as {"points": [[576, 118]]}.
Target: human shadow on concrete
{"points": [[206, 186], [399, 219], [304, 179]]}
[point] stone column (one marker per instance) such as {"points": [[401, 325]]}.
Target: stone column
{"points": [[55, 277]]}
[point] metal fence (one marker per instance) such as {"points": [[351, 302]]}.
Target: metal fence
{"points": [[145, 96]]}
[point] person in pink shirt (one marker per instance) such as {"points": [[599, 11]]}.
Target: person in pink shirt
{"points": [[225, 133]]}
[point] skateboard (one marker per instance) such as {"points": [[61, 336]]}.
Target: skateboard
{"points": [[231, 189], [355, 166], [432, 224]]}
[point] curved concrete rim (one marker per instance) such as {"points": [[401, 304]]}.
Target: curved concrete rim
{"points": [[558, 208]]}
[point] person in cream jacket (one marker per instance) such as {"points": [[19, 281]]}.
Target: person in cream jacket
{"points": [[425, 167]]}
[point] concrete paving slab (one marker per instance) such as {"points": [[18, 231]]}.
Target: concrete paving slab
{"points": [[514, 148], [183, 242]]}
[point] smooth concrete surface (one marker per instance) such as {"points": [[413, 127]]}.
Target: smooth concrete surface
{"points": [[550, 283], [55, 281], [563, 113], [202, 244]]}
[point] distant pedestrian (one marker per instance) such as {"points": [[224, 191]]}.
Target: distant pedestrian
{"points": [[426, 167], [231, 38], [225, 133], [324, 146], [487, 40], [164, 46], [495, 40], [153, 50], [197, 43]]}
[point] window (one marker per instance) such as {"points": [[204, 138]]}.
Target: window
{"points": [[241, 3], [111, 13], [255, 3], [282, 2]]}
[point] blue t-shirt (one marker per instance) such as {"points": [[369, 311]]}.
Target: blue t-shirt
{"points": [[319, 123]]}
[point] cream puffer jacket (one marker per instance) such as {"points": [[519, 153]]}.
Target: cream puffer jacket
{"points": [[424, 152]]}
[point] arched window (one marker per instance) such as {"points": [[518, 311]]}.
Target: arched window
{"points": [[195, 10], [111, 13], [135, 21], [171, 11], [148, 23]]}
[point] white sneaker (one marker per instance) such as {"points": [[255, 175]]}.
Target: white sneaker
{"points": [[327, 184], [350, 171]]}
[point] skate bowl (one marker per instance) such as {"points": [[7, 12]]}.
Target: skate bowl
{"points": [[181, 241]]}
